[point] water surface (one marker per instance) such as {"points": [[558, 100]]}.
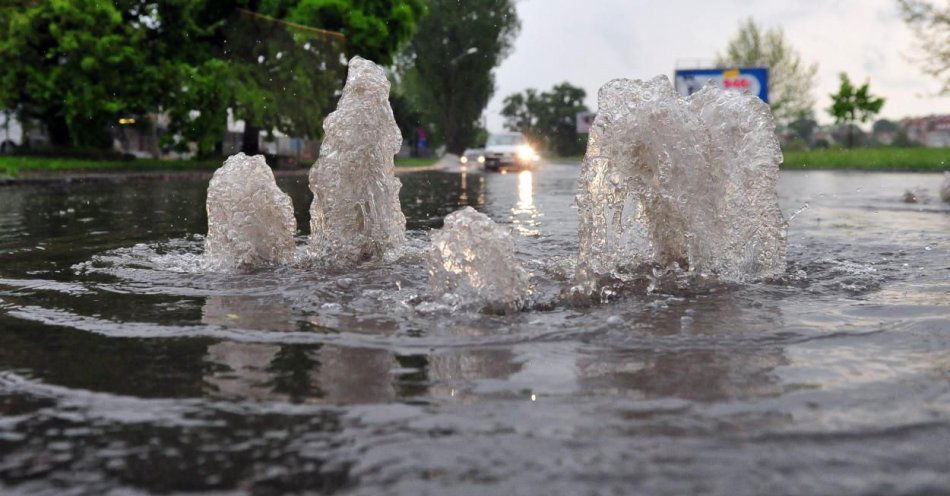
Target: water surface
{"points": [[122, 367]]}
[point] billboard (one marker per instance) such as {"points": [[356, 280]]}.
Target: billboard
{"points": [[753, 80]]}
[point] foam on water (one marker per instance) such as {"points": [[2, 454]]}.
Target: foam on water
{"points": [[472, 259], [679, 183], [355, 214], [250, 220]]}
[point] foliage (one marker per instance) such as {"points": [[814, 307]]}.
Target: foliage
{"points": [[374, 29], [77, 66], [281, 77], [446, 70], [931, 25], [884, 126], [878, 158], [791, 80], [548, 117], [851, 105], [804, 126]]}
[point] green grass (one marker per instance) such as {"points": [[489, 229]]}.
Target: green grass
{"points": [[14, 166], [883, 159], [416, 162], [880, 159]]}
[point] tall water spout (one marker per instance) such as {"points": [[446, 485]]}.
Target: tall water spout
{"points": [[355, 214], [670, 181], [250, 220]]}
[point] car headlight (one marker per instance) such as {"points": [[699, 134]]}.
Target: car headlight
{"points": [[464, 159], [525, 152], [481, 159]]}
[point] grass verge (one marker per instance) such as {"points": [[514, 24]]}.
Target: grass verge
{"points": [[880, 159], [883, 159], [416, 162], [13, 165]]}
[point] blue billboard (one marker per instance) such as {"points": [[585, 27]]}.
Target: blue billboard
{"points": [[752, 80]]}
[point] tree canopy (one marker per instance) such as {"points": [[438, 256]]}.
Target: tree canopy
{"points": [[374, 29], [446, 70], [791, 80], [77, 66], [931, 25], [549, 117], [851, 104]]}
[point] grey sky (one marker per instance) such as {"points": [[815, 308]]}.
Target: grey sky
{"points": [[588, 42]]}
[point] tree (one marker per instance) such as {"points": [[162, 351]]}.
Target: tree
{"points": [[76, 66], [804, 126], [447, 67], [374, 29], [885, 131], [791, 80], [931, 25], [850, 105], [548, 117]]}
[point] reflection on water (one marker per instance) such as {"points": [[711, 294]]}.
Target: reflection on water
{"points": [[131, 373], [248, 312], [525, 216]]}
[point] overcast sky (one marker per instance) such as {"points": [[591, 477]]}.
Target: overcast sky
{"points": [[588, 42]]}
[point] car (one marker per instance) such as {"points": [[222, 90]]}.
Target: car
{"points": [[472, 157], [509, 150]]}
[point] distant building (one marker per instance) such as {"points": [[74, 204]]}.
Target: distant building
{"points": [[932, 131], [13, 134], [141, 136]]}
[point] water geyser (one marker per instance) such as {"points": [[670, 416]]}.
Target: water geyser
{"points": [[673, 182], [472, 260], [250, 220], [355, 215]]}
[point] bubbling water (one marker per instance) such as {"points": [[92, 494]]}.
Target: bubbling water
{"points": [[250, 220], [471, 261], [679, 183], [355, 215]]}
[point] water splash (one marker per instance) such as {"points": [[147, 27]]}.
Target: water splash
{"points": [[250, 220], [355, 215], [471, 261], [679, 182]]}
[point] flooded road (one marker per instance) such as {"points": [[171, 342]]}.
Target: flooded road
{"points": [[125, 368]]}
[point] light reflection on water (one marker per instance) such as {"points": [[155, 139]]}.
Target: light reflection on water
{"points": [[131, 370]]}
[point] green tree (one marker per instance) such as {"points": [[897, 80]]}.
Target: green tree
{"points": [[276, 77], [548, 117], [850, 105], [804, 126], [374, 29], [931, 25], [76, 66], [791, 80], [447, 67]]}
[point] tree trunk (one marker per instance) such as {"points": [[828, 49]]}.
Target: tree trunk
{"points": [[250, 143], [58, 131]]}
